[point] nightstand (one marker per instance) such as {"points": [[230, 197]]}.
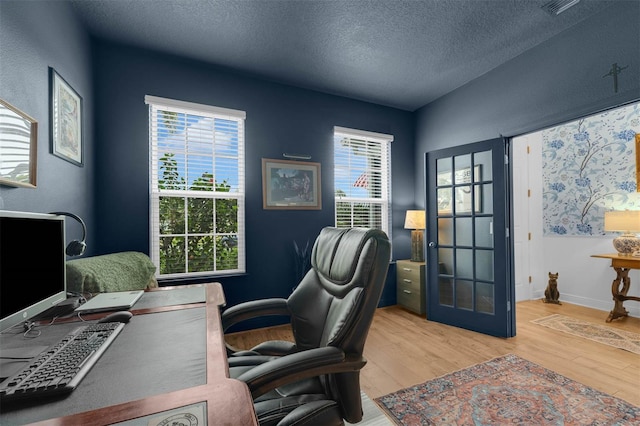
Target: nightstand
{"points": [[411, 285]]}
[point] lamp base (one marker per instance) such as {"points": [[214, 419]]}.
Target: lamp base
{"points": [[626, 244], [417, 245]]}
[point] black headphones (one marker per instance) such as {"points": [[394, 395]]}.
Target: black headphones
{"points": [[75, 247]]}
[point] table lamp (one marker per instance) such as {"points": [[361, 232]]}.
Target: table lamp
{"points": [[415, 220], [627, 222]]}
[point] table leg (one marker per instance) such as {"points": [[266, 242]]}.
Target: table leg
{"points": [[619, 289]]}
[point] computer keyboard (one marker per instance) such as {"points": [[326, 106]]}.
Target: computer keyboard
{"points": [[60, 368]]}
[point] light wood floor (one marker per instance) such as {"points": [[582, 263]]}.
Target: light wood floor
{"points": [[404, 349]]}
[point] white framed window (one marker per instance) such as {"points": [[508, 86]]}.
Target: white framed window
{"points": [[362, 179], [197, 188]]}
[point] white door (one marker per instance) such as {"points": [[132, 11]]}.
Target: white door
{"points": [[521, 208]]}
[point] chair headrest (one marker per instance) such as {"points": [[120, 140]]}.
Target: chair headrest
{"points": [[337, 251]]}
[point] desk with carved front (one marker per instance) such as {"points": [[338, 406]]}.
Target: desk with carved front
{"points": [[620, 286]]}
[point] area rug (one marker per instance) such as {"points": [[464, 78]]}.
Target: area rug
{"points": [[506, 390], [611, 336]]}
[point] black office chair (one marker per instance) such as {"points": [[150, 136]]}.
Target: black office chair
{"points": [[316, 379]]}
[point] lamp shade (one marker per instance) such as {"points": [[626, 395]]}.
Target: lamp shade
{"points": [[627, 222], [621, 221], [415, 219]]}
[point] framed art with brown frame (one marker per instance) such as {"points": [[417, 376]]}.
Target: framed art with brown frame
{"points": [[18, 146], [66, 120], [290, 185]]}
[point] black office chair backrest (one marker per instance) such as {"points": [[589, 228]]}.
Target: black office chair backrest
{"points": [[335, 302]]}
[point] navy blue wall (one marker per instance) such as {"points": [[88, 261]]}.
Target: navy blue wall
{"points": [[279, 119], [556, 81], [33, 37]]}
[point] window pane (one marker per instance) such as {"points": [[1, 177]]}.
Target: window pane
{"points": [[227, 252], [485, 298], [462, 172], [200, 254], [445, 291], [367, 215], [172, 215], [172, 255], [485, 195], [484, 231], [464, 231], [200, 215], [484, 265], [464, 263], [484, 160], [343, 215], [445, 231], [464, 294], [445, 201], [226, 216], [170, 178]]}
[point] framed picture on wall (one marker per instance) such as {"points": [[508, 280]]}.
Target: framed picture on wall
{"points": [[18, 146], [290, 185], [66, 120]]}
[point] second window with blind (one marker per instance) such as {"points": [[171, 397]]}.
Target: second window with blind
{"points": [[362, 179]]}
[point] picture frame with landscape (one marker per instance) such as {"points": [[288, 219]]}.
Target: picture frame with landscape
{"points": [[290, 185]]}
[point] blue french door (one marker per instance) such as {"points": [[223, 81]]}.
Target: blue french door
{"points": [[469, 260]]}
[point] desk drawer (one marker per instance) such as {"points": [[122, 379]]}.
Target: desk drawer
{"points": [[409, 274], [410, 297]]}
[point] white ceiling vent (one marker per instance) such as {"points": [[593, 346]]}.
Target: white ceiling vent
{"points": [[556, 7]]}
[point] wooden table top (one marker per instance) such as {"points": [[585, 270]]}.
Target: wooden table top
{"points": [[618, 261]]}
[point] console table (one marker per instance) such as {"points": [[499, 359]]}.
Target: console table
{"points": [[168, 365], [620, 286]]}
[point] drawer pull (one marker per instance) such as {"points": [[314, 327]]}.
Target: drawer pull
{"points": [[407, 269], [407, 291], [406, 281]]}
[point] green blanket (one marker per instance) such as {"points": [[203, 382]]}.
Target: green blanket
{"points": [[121, 271]]}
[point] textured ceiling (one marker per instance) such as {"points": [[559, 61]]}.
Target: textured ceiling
{"points": [[398, 53]]}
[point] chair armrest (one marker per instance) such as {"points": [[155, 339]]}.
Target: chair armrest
{"points": [[249, 360], [253, 309], [297, 366]]}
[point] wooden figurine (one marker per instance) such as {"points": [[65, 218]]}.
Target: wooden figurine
{"points": [[551, 294]]}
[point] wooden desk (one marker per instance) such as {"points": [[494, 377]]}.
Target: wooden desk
{"points": [[620, 286], [228, 401]]}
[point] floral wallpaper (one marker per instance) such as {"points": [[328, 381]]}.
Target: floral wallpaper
{"points": [[589, 167]]}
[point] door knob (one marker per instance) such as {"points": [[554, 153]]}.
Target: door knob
{"points": [[433, 244]]}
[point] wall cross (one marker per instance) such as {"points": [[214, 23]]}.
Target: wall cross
{"points": [[614, 71]]}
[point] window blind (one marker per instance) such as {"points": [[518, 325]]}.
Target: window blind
{"points": [[362, 179], [197, 187]]}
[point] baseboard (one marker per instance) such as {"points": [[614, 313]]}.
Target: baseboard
{"points": [[631, 306]]}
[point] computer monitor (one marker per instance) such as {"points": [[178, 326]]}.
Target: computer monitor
{"points": [[32, 265]]}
